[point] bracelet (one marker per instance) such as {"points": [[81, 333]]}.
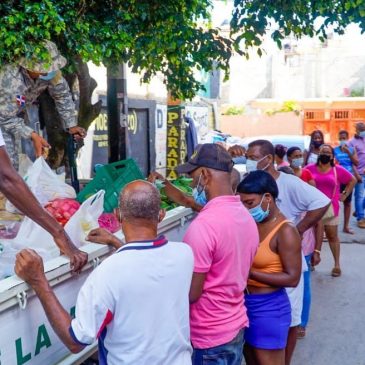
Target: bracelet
{"points": [[318, 251]]}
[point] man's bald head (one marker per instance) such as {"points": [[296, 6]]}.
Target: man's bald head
{"points": [[140, 200]]}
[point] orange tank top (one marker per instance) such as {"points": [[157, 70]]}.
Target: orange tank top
{"points": [[266, 260]]}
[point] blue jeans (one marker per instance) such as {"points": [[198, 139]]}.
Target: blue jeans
{"points": [[307, 297], [227, 354], [360, 199]]}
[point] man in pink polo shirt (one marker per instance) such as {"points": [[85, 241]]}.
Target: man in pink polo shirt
{"points": [[224, 240]]}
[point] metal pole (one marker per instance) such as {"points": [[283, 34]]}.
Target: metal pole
{"points": [[117, 104]]}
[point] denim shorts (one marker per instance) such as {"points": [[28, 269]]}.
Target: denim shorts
{"points": [[227, 354], [270, 317]]}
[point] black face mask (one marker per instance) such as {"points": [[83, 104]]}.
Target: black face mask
{"points": [[325, 159], [317, 144]]}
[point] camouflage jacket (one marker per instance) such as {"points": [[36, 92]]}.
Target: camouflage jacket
{"points": [[18, 90]]}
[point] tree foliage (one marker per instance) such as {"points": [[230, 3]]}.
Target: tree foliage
{"points": [[252, 20], [171, 37]]}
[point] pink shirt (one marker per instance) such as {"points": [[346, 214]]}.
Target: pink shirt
{"points": [[224, 239], [326, 183]]}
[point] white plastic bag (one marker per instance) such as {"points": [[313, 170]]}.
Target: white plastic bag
{"points": [[31, 235], [85, 219], [45, 184], [7, 259]]}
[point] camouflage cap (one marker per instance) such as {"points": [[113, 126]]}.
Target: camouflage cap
{"points": [[57, 60]]}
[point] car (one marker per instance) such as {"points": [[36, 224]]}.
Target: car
{"points": [[286, 140]]}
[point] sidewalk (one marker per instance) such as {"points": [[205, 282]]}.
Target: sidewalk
{"points": [[335, 333], [358, 237]]}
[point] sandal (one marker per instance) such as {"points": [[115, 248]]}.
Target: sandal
{"points": [[336, 272], [300, 332]]}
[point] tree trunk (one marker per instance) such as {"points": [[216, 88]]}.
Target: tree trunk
{"points": [[82, 87]]}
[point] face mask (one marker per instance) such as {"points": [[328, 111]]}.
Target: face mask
{"points": [[297, 162], [49, 76], [325, 159], [362, 134], [199, 194], [258, 214], [317, 144], [251, 165], [342, 143], [200, 197]]}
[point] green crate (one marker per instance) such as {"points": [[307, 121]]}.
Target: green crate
{"points": [[111, 178]]}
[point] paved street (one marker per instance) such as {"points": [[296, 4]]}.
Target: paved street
{"points": [[336, 332]]}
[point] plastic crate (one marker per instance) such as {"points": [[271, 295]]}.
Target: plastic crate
{"points": [[111, 178]]}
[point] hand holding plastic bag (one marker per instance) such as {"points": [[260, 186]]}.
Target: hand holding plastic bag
{"points": [[45, 184], [85, 219]]}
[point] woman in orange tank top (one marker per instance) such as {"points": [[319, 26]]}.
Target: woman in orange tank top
{"points": [[277, 265]]}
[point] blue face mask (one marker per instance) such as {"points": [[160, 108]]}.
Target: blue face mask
{"points": [[342, 143], [251, 165], [49, 76], [199, 194], [258, 214], [362, 134], [297, 162], [200, 197]]}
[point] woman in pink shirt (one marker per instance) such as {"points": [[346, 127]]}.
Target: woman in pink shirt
{"points": [[328, 179]]}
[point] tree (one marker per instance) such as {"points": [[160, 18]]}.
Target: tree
{"points": [[251, 20], [168, 37], [171, 37]]}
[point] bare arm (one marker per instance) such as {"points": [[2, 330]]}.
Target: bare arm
{"points": [[29, 267], [175, 194], [15, 189], [353, 156], [289, 250], [102, 236], [348, 189], [311, 218], [196, 288]]}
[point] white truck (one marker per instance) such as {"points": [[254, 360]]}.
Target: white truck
{"points": [[26, 336]]}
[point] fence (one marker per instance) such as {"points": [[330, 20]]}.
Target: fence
{"points": [[330, 122]]}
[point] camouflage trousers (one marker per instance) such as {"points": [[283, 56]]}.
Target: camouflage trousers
{"points": [[12, 144]]}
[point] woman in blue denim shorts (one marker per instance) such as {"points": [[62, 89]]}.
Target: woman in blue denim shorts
{"points": [[277, 265]]}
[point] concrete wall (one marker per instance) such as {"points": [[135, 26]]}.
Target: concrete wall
{"points": [[257, 125]]}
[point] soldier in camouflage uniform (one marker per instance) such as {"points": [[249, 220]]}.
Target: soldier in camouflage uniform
{"points": [[20, 86]]}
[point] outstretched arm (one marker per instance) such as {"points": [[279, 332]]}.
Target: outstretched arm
{"points": [[29, 267], [15, 189]]}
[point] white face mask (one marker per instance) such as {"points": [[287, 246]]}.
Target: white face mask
{"points": [[251, 165]]}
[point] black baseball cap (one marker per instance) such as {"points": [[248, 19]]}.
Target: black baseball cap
{"points": [[210, 155]]}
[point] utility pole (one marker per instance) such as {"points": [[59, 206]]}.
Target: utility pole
{"points": [[117, 104]]}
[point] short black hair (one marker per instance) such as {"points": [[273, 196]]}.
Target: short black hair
{"points": [[286, 170], [266, 147], [291, 150], [317, 131], [280, 150], [343, 131], [259, 182]]}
